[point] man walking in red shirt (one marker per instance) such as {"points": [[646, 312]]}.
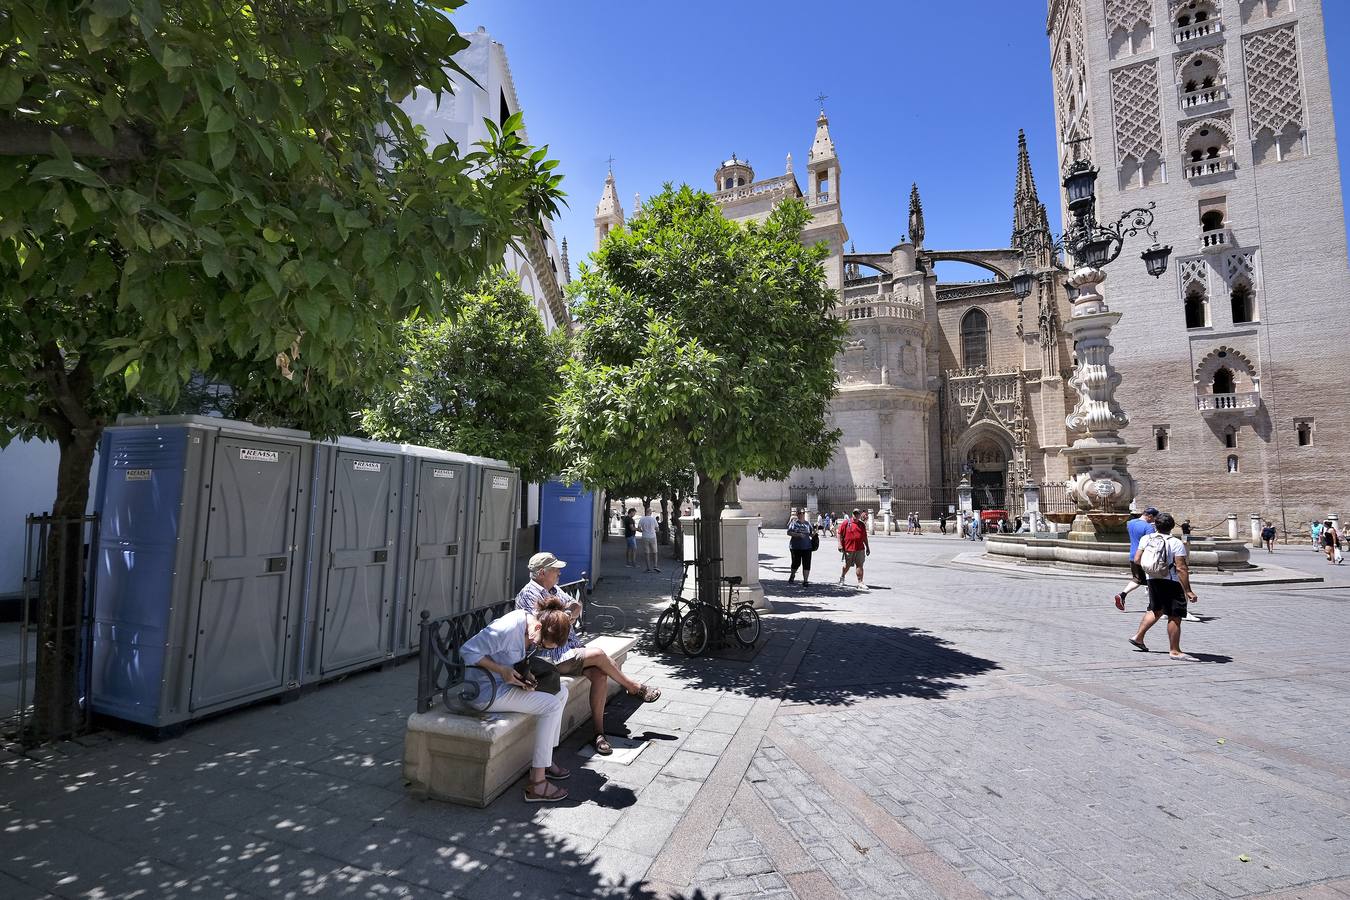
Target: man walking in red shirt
{"points": [[855, 546]]}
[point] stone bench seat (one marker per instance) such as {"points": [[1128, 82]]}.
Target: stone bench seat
{"points": [[472, 759]]}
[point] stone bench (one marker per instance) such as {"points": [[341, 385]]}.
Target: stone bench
{"points": [[472, 759]]}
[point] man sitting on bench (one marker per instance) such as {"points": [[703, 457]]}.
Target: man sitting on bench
{"points": [[573, 658]]}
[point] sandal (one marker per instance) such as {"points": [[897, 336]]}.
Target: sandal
{"points": [[557, 772], [602, 745], [646, 694], [543, 792], [1139, 645]]}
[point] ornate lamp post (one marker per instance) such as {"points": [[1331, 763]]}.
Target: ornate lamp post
{"points": [[1099, 480]]}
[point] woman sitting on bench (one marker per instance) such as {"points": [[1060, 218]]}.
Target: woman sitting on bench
{"points": [[492, 653]]}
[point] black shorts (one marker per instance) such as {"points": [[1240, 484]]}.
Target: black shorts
{"points": [[1166, 598], [1137, 573]]}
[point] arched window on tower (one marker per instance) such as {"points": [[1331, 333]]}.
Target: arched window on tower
{"points": [[974, 339], [1197, 307], [1223, 381], [1243, 302]]}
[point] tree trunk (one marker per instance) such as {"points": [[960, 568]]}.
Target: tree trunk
{"points": [[61, 625], [663, 533], [712, 496]]}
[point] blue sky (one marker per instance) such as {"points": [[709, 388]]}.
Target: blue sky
{"points": [[918, 91]]}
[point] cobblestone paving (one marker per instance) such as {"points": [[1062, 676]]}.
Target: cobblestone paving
{"points": [[951, 733]]}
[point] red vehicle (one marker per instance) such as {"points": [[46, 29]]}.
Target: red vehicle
{"points": [[990, 517]]}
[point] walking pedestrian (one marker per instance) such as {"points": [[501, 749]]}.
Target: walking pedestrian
{"points": [[1137, 529], [630, 538], [1186, 532], [1331, 542], [855, 547], [1268, 537], [1317, 537], [1163, 559], [647, 538], [801, 541], [942, 523]]}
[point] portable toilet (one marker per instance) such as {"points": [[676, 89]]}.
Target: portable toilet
{"points": [[439, 557], [493, 516], [570, 524], [360, 538], [200, 558]]}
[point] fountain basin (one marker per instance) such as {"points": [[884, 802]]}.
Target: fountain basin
{"points": [[1058, 550]]}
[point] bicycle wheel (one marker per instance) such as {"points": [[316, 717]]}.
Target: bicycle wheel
{"points": [[667, 627], [694, 632], [745, 625]]}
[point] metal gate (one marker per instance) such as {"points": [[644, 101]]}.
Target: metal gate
{"points": [[245, 601]]}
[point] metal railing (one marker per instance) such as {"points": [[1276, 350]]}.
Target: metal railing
{"points": [[57, 707], [441, 668]]}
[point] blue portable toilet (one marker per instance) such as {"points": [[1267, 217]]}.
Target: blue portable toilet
{"points": [[569, 527]]}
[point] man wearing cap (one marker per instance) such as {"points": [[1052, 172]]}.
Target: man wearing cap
{"points": [[1137, 528], [573, 658]]}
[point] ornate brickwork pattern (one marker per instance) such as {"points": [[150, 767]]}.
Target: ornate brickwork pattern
{"points": [[1194, 271], [1240, 265], [1138, 114], [1274, 94], [1127, 14], [1070, 76]]}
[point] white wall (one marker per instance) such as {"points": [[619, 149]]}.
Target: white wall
{"points": [[27, 485]]}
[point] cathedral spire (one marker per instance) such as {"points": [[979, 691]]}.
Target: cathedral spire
{"points": [[1028, 210], [608, 212], [915, 216], [566, 266]]}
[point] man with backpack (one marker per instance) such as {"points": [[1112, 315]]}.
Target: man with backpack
{"points": [[854, 545], [1163, 559]]}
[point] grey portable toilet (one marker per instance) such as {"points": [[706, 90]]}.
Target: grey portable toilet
{"points": [[492, 524], [200, 557], [360, 536], [439, 555]]}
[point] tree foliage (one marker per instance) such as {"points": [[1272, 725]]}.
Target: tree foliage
{"points": [[190, 187], [704, 342], [482, 382]]}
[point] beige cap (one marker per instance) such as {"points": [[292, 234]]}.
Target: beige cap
{"points": [[541, 561]]}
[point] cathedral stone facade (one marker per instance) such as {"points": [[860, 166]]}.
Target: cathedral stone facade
{"points": [[1219, 112], [936, 381]]}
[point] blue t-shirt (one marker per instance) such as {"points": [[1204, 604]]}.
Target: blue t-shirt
{"points": [[1137, 529]]}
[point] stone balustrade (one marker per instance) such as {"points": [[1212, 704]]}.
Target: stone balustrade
{"points": [[1248, 400], [1216, 241], [1203, 96], [1186, 34], [1200, 168], [880, 306]]}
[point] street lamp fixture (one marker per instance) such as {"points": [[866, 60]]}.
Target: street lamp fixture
{"points": [[1091, 243]]}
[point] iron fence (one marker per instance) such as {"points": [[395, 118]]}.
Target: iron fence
{"points": [[56, 706]]}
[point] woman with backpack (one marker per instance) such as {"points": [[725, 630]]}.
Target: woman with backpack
{"points": [[802, 539]]}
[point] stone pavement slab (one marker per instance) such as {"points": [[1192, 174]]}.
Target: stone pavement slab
{"points": [[954, 732]]}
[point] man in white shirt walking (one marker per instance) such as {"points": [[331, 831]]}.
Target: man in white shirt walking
{"points": [[647, 538], [1163, 559]]}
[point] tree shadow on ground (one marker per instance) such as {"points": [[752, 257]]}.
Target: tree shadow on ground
{"points": [[305, 799], [844, 662]]}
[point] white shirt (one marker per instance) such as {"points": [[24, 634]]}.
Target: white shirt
{"points": [[1175, 548], [647, 526]]}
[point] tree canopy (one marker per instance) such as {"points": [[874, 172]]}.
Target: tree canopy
{"points": [[703, 342], [186, 187], [483, 381]]}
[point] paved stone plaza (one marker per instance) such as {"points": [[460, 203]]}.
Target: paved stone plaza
{"points": [[955, 732]]}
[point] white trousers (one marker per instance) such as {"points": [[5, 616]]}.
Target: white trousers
{"points": [[549, 709]]}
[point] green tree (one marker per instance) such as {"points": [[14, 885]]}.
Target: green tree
{"points": [[483, 381], [705, 343], [232, 190]]}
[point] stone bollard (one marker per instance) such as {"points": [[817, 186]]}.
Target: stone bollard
{"points": [[890, 524], [1232, 527], [1256, 531]]}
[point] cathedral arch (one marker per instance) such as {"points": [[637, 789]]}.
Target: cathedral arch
{"points": [[1225, 370], [976, 259], [984, 454]]}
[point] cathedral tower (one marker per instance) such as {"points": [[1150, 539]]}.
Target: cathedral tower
{"points": [[1219, 112], [822, 197]]}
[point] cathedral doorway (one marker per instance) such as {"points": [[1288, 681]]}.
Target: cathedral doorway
{"points": [[987, 465]]}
